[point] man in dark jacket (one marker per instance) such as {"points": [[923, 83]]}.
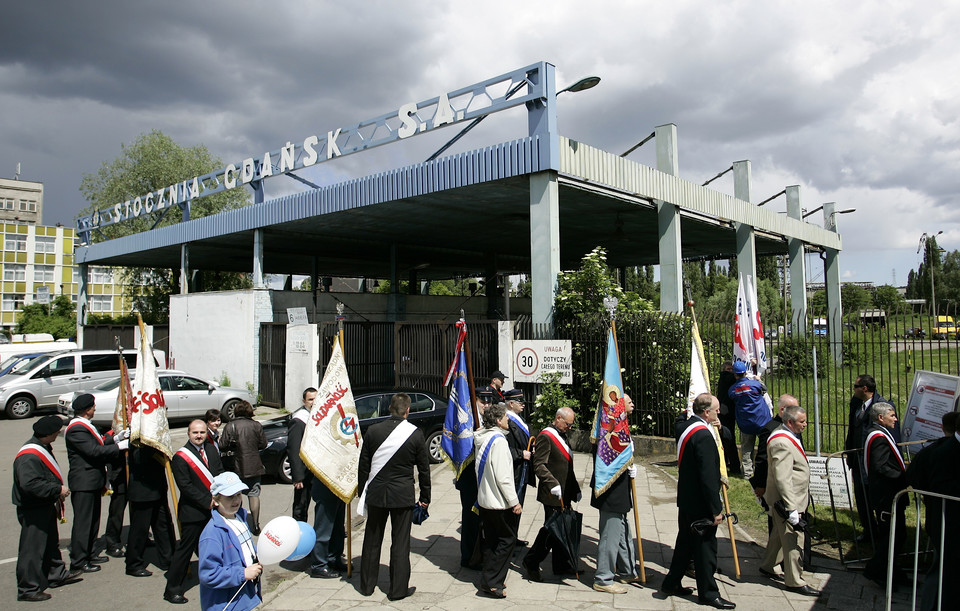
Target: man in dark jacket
{"points": [[886, 476], [89, 454], [391, 451], [752, 412], [39, 493], [301, 475], [244, 437], [557, 484], [194, 467], [728, 419], [147, 495], [698, 500]]}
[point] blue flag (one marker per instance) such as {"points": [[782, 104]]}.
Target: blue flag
{"points": [[611, 429], [457, 440]]}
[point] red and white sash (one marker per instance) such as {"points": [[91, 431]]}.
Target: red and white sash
{"points": [[558, 441], [197, 465], [893, 448], [685, 437], [83, 422], [46, 457], [789, 436]]}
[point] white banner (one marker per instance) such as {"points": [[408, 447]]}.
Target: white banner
{"points": [[756, 328], [148, 411], [331, 441], [933, 395], [534, 358], [698, 379]]}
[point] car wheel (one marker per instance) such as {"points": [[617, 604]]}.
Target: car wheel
{"points": [[20, 407], [229, 410], [283, 471], [433, 447]]}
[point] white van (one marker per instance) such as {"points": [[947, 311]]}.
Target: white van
{"points": [[33, 343], [40, 384]]}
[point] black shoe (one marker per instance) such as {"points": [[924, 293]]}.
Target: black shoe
{"points": [[99, 559], [34, 597], [533, 570], [805, 590], [325, 573], [116, 551], [719, 603], [72, 577], [139, 573], [340, 565], [176, 599], [410, 592], [89, 568], [770, 574], [681, 591], [491, 593]]}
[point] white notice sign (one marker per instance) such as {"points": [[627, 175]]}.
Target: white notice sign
{"points": [[534, 358], [840, 482], [297, 316], [932, 396]]}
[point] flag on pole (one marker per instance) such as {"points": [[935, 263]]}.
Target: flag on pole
{"points": [[331, 440], [458, 424], [756, 328], [742, 335], [699, 384], [148, 412], [121, 411], [611, 430]]}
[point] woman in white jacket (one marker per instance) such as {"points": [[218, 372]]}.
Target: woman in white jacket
{"points": [[497, 500]]}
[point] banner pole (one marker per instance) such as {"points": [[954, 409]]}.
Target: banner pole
{"points": [[636, 523], [473, 390], [172, 484], [349, 509]]}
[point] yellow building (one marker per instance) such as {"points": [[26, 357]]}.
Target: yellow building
{"points": [[38, 259]]}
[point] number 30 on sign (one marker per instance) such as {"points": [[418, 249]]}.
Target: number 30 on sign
{"points": [[532, 359]]}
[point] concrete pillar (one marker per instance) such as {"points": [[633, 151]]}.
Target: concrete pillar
{"points": [[746, 241], [831, 280], [544, 244], [259, 279], [184, 269], [83, 270], [542, 118], [798, 275], [668, 225]]}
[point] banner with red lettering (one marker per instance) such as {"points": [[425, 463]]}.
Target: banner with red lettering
{"points": [[148, 412], [331, 440]]}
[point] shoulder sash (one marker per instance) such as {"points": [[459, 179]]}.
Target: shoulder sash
{"points": [[482, 462], [384, 453], [686, 435], [302, 414], [893, 448], [558, 441], [87, 425], [46, 457], [519, 422], [790, 437], [194, 462]]}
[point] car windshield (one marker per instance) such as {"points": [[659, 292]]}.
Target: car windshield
{"points": [[27, 365]]}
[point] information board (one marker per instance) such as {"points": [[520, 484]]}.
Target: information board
{"points": [[532, 359], [297, 316], [840, 482], [933, 395]]}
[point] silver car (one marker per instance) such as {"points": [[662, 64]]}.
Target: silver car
{"points": [[185, 396]]}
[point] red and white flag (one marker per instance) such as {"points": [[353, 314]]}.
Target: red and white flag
{"points": [[148, 412]]}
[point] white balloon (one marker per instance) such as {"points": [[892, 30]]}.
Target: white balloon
{"points": [[277, 540]]}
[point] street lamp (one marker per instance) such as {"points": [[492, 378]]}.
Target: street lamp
{"points": [[933, 291]]}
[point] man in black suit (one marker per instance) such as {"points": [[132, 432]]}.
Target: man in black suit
{"points": [[698, 498], [194, 467], [147, 495], [864, 395], [391, 451], [89, 454], [39, 493], [301, 475]]}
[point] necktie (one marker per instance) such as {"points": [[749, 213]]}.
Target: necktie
{"points": [[203, 455]]}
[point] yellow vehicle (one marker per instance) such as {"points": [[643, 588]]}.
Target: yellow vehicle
{"points": [[945, 328]]}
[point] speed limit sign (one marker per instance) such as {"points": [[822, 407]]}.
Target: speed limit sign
{"points": [[534, 358]]}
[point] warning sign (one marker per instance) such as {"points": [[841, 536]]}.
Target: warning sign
{"points": [[534, 358]]}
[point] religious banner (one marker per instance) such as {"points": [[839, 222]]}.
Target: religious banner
{"points": [[611, 430], [148, 412], [458, 424]]}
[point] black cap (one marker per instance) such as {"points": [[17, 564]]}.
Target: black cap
{"points": [[498, 374], [48, 425], [513, 395], [485, 393], [83, 403]]}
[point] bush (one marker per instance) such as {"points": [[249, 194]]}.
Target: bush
{"points": [[551, 398]]}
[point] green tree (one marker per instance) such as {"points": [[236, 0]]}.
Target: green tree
{"points": [[888, 298], [59, 318], [155, 161], [581, 292], [854, 298]]}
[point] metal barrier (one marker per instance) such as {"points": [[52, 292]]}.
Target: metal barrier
{"points": [[854, 509], [916, 545]]}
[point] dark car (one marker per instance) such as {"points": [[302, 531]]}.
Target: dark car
{"points": [[427, 412]]}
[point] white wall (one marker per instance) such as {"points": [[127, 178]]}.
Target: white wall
{"points": [[302, 352], [217, 333]]}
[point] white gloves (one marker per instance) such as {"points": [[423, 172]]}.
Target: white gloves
{"points": [[124, 434], [123, 444], [793, 517], [557, 492], [632, 471]]}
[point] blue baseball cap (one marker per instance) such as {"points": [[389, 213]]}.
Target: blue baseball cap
{"points": [[739, 367], [227, 484]]}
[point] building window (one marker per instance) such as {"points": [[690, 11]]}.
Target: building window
{"points": [[99, 303], [27, 205], [15, 241], [13, 272], [43, 273], [46, 244], [101, 275], [12, 302], [6, 204]]}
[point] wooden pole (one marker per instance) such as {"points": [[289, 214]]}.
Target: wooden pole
{"points": [[636, 523], [349, 509], [172, 484]]}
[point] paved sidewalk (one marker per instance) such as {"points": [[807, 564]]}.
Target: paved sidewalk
{"points": [[442, 584]]}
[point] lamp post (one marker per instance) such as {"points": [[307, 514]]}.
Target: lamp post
{"points": [[924, 239]]}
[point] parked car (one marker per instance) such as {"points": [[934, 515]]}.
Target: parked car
{"points": [[915, 332], [185, 396], [426, 412], [18, 361], [39, 384]]}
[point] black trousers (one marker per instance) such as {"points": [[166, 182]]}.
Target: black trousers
{"points": [[301, 499], [86, 526], [499, 539], [38, 562], [400, 521], [546, 542], [329, 513], [146, 516], [118, 503], [877, 566], [186, 547], [703, 550], [469, 521]]}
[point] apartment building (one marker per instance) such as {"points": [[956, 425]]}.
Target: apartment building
{"points": [[21, 202]]}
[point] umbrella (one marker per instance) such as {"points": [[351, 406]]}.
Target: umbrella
{"points": [[565, 527], [524, 475]]}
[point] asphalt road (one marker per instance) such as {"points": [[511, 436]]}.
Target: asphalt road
{"points": [[109, 588]]}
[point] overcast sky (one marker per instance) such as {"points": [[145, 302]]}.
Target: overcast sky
{"points": [[857, 103]]}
